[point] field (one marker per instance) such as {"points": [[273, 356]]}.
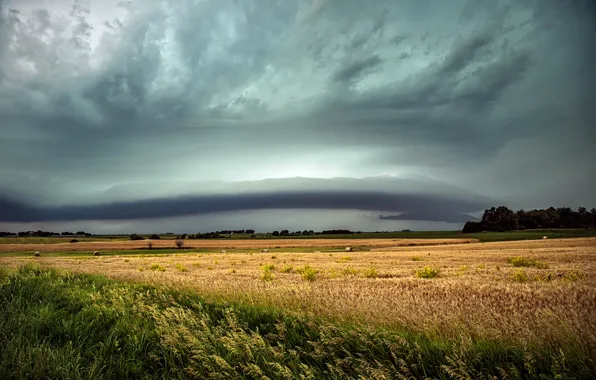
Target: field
{"points": [[393, 308]]}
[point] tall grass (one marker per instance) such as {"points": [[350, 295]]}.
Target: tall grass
{"points": [[60, 325]]}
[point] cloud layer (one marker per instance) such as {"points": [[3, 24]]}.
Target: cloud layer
{"points": [[492, 96], [411, 197]]}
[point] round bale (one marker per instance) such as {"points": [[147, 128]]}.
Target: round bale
{"points": [[545, 237], [96, 253], [348, 249], [264, 250], [36, 254]]}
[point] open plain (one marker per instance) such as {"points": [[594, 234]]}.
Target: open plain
{"points": [[538, 294]]}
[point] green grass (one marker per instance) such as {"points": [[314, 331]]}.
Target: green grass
{"points": [[59, 325]]}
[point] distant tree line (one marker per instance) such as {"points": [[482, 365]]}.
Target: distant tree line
{"points": [[338, 232], [502, 219]]}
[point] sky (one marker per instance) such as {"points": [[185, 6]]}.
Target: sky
{"points": [[197, 115]]}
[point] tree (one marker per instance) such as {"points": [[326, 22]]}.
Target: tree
{"points": [[472, 227], [275, 233]]}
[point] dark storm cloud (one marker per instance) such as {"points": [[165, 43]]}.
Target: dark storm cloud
{"points": [[414, 204], [495, 96], [441, 216], [421, 196]]}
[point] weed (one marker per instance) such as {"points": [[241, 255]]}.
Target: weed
{"points": [[273, 257], [370, 272], [269, 267], [520, 276], [573, 276], [427, 272], [520, 261], [349, 271], [416, 258], [181, 267], [267, 275], [308, 273], [344, 259], [286, 269], [157, 267]]}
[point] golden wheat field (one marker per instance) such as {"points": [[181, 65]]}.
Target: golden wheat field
{"points": [[227, 244], [528, 291]]}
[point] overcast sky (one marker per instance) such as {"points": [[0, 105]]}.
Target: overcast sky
{"points": [[144, 115]]}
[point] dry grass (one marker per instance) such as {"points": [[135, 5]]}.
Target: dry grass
{"points": [[228, 244], [476, 293]]}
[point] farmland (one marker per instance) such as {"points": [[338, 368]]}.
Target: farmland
{"points": [[394, 307]]}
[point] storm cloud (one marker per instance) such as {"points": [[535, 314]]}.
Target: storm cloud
{"points": [[442, 203], [99, 97]]}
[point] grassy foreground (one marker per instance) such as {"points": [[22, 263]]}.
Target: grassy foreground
{"points": [[55, 324]]}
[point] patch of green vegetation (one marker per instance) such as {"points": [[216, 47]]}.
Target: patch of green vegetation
{"points": [[157, 267], [58, 325], [520, 261], [349, 271], [181, 268], [428, 272], [287, 269], [520, 276], [416, 258], [267, 274], [370, 272], [308, 273]]}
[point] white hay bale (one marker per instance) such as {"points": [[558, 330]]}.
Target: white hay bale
{"points": [[222, 251], [96, 253], [545, 237], [264, 250], [348, 249], [36, 254]]}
